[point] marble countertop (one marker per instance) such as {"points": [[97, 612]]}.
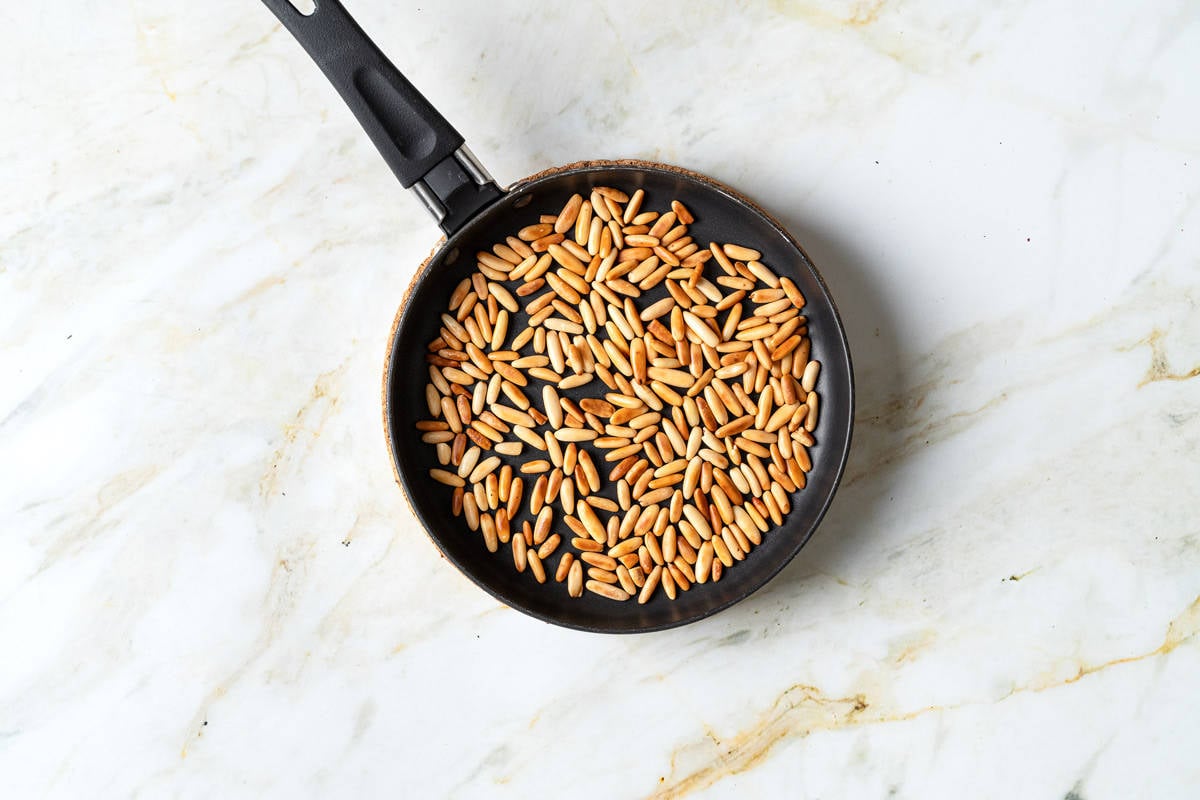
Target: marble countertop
{"points": [[210, 585]]}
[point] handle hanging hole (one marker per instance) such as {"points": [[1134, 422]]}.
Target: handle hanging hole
{"points": [[305, 7]]}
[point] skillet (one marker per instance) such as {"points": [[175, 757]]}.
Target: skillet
{"points": [[428, 156]]}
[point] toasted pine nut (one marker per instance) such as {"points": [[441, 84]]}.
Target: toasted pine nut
{"points": [[606, 590]]}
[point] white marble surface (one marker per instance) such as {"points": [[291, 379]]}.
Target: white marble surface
{"points": [[211, 587]]}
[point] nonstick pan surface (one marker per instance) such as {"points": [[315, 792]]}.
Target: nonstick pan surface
{"points": [[721, 216], [428, 155]]}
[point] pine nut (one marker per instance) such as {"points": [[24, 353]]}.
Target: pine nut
{"points": [[535, 564], [564, 566], [808, 380], [606, 590], [739, 253], [575, 580], [446, 477]]}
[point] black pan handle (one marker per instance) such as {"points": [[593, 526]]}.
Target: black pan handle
{"points": [[424, 150]]}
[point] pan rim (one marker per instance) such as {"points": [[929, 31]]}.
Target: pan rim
{"points": [[547, 175]]}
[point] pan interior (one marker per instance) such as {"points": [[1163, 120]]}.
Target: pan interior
{"points": [[720, 216]]}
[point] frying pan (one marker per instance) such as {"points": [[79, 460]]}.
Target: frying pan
{"points": [[428, 156]]}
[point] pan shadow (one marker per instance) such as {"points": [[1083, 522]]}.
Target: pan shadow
{"points": [[873, 472]]}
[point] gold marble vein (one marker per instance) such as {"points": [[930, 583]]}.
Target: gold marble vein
{"points": [[802, 710], [1160, 367]]}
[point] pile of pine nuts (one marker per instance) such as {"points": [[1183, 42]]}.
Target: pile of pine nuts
{"points": [[703, 422]]}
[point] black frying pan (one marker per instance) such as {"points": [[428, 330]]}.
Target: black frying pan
{"points": [[429, 156]]}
